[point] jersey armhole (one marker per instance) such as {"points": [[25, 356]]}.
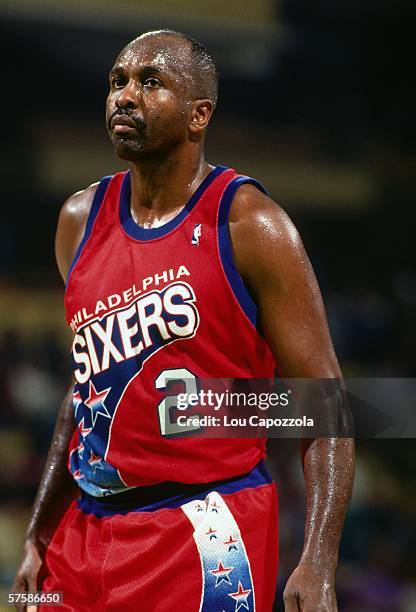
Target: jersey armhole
{"points": [[235, 281], [92, 215]]}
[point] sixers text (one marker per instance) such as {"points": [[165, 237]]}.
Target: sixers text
{"points": [[153, 319]]}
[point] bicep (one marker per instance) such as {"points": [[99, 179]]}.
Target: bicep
{"points": [[272, 261], [294, 320]]}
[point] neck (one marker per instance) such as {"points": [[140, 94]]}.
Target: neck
{"points": [[161, 188]]}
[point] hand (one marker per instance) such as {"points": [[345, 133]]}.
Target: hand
{"points": [[310, 589], [26, 580]]}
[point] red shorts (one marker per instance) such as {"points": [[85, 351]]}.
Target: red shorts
{"points": [[213, 550]]}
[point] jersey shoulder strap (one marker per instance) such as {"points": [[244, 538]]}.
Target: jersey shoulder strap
{"points": [[235, 281], [92, 216]]}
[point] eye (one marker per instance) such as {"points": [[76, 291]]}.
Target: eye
{"points": [[117, 82], [152, 82]]}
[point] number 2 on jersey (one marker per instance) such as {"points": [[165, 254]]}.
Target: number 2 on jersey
{"points": [[166, 407]]}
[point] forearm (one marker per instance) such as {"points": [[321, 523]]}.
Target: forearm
{"points": [[56, 486], [328, 465]]}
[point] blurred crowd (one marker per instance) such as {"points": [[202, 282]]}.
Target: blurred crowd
{"points": [[376, 570], [32, 383]]}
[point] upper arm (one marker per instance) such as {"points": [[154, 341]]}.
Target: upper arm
{"points": [[272, 261], [71, 226]]}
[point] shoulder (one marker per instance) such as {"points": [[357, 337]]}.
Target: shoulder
{"points": [[71, 225], [262, 234], [75, 210], [254, 211]]}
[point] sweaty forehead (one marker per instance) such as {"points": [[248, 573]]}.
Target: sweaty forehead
{"points": [[165, 52]]}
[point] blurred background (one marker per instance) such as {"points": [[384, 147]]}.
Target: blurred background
{"points": [[316, 101]]}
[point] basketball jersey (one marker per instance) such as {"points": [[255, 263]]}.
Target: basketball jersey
{"points": [[154, 310]]}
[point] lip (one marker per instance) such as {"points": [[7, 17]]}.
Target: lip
{"points": [[121, 123]]}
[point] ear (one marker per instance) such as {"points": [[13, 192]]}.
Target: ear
{"points": [[201, 111]]}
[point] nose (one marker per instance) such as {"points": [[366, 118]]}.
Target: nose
{"points": [[128, 97]]}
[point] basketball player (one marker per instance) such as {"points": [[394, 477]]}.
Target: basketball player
{"points": [[177, 270]]}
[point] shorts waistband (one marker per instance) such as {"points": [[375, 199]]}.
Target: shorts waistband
{"points": [[169, 494]]}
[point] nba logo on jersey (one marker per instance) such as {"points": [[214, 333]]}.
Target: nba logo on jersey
{"points": [[197, 234]]}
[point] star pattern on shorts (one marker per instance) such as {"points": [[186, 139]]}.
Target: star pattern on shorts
{"points": [[211, 533], [231, 543], [240, 597], [221, 574]]}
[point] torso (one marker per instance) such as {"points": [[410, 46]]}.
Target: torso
{"points": [[149, 306]]}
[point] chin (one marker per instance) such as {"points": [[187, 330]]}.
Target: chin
{"points": [[129, 150]]}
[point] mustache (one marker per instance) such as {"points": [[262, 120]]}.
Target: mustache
{"points": [[139, 121]]}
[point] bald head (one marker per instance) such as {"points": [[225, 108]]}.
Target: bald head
{"points": [[163, 89], [187, 56]]}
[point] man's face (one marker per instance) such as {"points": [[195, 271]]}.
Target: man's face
{"points": [[147, 111]]}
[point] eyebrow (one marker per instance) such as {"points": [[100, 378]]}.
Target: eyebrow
{"points": [[144, 70]]}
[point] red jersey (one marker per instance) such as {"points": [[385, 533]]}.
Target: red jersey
{"points": [[151, 308]]}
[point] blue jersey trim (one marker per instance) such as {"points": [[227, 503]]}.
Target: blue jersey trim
{"points": [[95, 207], [224, 242], [109, 506], [145, 233]]}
